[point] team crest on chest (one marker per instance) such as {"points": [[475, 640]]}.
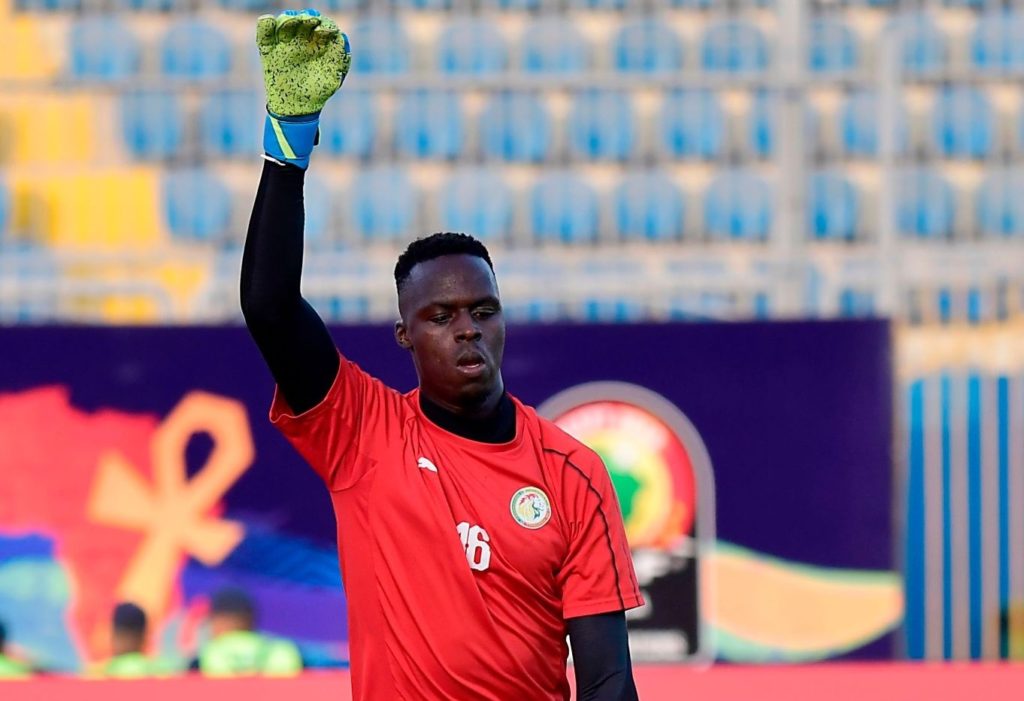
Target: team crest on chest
{"points": [[530, 508]]}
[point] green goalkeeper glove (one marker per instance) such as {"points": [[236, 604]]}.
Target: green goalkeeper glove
{"points": [[305, 59]]}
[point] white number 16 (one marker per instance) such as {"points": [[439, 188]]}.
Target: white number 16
{"points": [[475, 541]]}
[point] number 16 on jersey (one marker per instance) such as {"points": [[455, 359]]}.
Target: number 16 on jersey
{"points": [[475, 542]]}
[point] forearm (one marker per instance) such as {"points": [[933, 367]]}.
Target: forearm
{"points": [[293, 340], [600, 649]]}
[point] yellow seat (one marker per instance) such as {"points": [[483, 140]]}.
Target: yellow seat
{"points": [[29, 54], [43, 128]]}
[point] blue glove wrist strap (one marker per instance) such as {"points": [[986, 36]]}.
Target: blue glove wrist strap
{"points": [[291, 139]]}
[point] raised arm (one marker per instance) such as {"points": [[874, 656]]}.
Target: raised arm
{"points": [[305, 58]]}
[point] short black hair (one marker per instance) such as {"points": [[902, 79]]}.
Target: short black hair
{"points": [[232, 601], [435, 246], [129, 618]]}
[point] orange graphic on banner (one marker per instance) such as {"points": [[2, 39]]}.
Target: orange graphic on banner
{"points": [[175, 513]]}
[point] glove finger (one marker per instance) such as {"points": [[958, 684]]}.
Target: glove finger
{"points": [[307, 25], [266, 33], [287, 25], [338, 52], [325, 34]]}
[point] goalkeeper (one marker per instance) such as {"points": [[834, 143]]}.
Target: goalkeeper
{"points": [[473, 535]]}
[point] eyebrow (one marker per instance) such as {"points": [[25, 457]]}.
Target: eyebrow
{"points": [[447, 304]]}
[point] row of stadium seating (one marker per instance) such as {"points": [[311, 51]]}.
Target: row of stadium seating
{"points": [[519, 126], [105, 48], [384, 204]]}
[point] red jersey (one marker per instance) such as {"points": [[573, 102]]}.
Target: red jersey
{"points": [[461, 560]]}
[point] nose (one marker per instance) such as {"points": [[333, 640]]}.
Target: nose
{"points": [[467, 330]]}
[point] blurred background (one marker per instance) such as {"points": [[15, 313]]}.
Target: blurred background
{"points": [[812, 211]]}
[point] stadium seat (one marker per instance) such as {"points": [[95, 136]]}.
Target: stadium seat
{"points": [[734, 46], [103, 48], [563, 208], [692, 124], [383, 204], [270, 6], [477, 202], [833, 207], [925, 205], [231, 123], [197, 205], [855, 303], [612, 311], [693, 4], [554, 46], [832, 47], [600, 125], [997, 44], [429, 124], [348, 123], [472, 47], [923, 43], [345, 5], [151, 123], [963, 123], [515, 126], [648, 206], [5, 212], [381, 46], [763, 119], [195, 50], [738, 205], [599, 4], [533, 311], [48, 5], [858, 125], [318, 204], [647, 46], [151, 5], [514, 5], [1000, 206]]}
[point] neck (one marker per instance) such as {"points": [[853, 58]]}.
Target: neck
{"points": [[498, 425]]}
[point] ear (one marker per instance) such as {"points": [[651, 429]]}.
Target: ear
{"points": [[402, 335]]}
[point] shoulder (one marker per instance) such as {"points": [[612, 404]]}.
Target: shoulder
{"points": [[560, 445]]}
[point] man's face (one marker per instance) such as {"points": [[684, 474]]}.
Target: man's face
{"points": [[452, 323]]}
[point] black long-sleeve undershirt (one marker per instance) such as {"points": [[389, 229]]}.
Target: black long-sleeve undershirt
{"points": [[302, 357]]}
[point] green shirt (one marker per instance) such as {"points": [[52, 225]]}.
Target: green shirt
{"points": [[134, 665], [12, 669], [246, 652]]}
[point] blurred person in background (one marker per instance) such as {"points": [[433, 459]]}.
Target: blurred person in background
{"points": [[129, 634], [236, 649], [10, 668], [473, 534]]}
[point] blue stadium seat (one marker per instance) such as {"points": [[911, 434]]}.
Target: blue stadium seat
{"points": [[5, 211], [833, 207], [318, 205], [963, 123], [515, 126], [345, 5], [923, 43], [533, 311], [692, 124], [763, 119], [477, 202], [693, 4], [612, 310], [383, 204], [195, 50], [832, 47], [734, 46], [563, 208], [429, 124], [554, 46], [517, 5], [738, 205], [600, 125], [151, 123], [1000, 206], [48, 5], [855, 303], [151, 5], [348, 123], [380, 45], [599, 4], [197, 205], [424, 4], [858, 125], [231, 123], [997, 44], [647, 46], [925, 204], [471, 46], [103, 48], [269, 6], [648, 206]]}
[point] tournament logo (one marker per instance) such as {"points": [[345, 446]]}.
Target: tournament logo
{"points": [[642, 445], [530, 508]]}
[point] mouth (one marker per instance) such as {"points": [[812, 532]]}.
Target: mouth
{"points": [[471, 363]]}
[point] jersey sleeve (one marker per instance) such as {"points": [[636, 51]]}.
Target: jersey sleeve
{"points": [[597, 575], [341, 435]]}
